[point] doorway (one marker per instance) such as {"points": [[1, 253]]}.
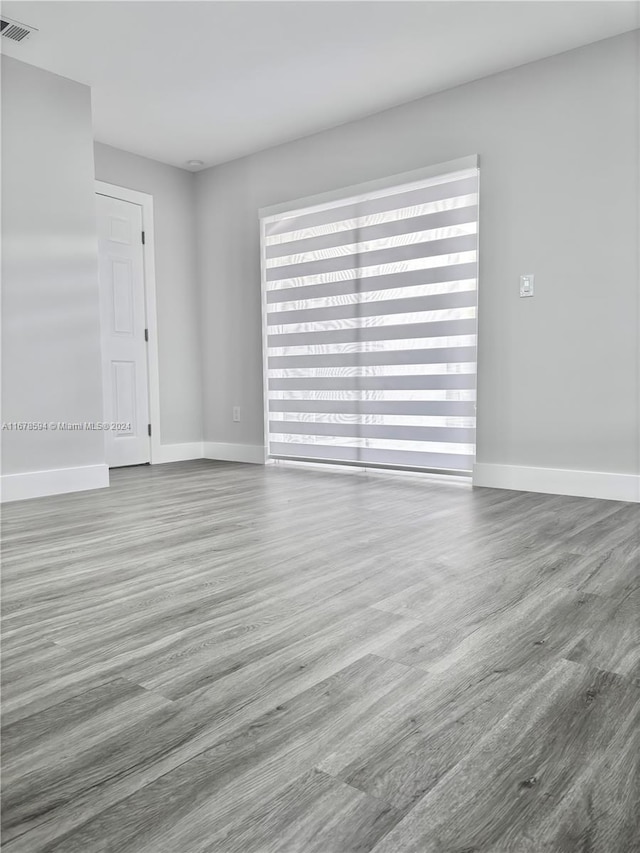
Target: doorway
{"points": [[127, 326]]}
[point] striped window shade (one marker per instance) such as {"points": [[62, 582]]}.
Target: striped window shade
{"points": [[369, 306]]}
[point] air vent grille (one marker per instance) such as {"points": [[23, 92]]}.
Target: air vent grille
{"points": [[14, 30]]}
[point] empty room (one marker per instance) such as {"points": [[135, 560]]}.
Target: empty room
{"points": [[320, 426]]}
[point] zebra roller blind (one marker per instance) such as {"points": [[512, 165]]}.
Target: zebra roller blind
{"points": [[370, 326]]}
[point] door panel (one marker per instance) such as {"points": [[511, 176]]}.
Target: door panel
{"points": [[124, 397], [122, 297], [124, 350]]}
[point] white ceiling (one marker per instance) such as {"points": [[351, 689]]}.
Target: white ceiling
{"points": [[216, 80]]}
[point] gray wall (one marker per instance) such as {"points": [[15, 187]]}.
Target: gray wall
{"points": [[558, 376], [50, 311], [177, 292]]}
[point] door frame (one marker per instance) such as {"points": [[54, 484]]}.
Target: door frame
{"points": [[145, 201]]}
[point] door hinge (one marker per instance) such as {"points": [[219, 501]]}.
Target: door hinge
{"points": [[146, 335], [143, 238], [149, 426]]}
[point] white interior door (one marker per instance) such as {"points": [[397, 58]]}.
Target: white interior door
{"points": [[124, 349]]}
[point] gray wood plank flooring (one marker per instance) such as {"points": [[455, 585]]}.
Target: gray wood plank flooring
{"points": [[219, 658]]}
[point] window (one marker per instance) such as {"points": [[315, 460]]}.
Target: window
{"points": [[370, 324]]}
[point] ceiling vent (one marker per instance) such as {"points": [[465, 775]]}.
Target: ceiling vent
{"points": [[14, 30]]}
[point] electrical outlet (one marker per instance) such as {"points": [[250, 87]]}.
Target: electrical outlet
{"points": [[236, 414]]}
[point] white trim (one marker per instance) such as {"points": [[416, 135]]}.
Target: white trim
{"points": [[57, 481], [559, 481], [478, 312], [320, 200], [179, 452], [254, 453], [265, 348], [148, 252]]}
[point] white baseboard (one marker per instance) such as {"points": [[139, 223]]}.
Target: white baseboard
{"points": [[58, 481], [558, 481], [178, 452], [234, 452]]}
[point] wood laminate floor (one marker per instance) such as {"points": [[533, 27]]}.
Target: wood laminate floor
{"points": [[220, 658]]}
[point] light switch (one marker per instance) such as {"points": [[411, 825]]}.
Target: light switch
{"points": [[526, 285]]}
